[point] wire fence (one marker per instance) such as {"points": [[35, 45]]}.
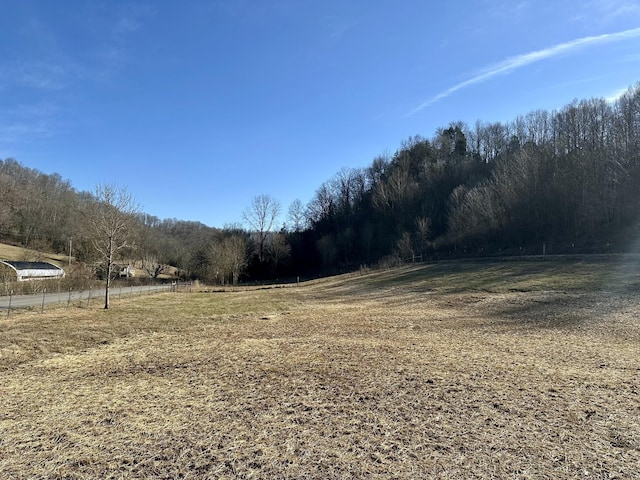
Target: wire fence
{"points": [[85, 297]]}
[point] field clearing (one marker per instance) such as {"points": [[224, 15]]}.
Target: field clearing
{"points": [[10, 252], [515, 369]]}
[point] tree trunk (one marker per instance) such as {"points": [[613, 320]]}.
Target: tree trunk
{"points": [[108, 284]]}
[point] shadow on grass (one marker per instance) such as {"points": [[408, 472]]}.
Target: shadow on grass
{"points": [[554, 292], [576, 294], [523, 274]]}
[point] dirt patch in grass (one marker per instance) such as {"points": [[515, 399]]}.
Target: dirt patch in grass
{"points": [[334, 379]]}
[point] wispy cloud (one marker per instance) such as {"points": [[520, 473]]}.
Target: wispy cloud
{"points": [[519, 61], [54, 69], [18, 132], [337, 30], [115, 52], [26, 122], [603, 12], [506, 8], [132, 18], [612, 97], [46, 74]]}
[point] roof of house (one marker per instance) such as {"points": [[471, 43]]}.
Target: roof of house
{"points": [[34, 270], [31, 265]]}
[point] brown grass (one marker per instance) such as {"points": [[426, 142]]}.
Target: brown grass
{"points": [[399, 374], [10, 252]]}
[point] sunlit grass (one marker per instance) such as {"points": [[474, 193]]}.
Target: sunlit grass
{"points": [[579, 273], [11, 252], [395, 374]]}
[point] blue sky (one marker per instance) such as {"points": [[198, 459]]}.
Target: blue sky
{"points": [[198, 106]]}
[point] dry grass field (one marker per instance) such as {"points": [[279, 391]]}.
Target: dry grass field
{"points": [[10, 252], [515, 370]]}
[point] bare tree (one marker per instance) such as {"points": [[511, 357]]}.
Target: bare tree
{"points": [[296, 215], [322, 206], [111, 221], [404, 247], [423, 230], [235, 247], [151, 266], [278, 249], [227, 256], [260, 216]]}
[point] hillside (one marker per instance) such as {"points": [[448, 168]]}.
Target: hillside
{"points": [[561, 182], [11, 252]]}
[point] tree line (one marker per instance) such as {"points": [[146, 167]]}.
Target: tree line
{"points": [[562, 181]]}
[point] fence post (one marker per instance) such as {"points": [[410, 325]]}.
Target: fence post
{"points": [[44, 293], [69, 299], [9, 309], [89, 297]]}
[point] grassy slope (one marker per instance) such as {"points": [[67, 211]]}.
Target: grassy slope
{"points": [[520, 369], [10, 252]]}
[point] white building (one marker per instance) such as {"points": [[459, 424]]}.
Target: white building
{"points": [[34, 270]]}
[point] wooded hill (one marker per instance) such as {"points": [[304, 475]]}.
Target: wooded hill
{"points": [[563, 181]]}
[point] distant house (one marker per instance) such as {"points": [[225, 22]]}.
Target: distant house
{"points": [[33, 270], [127, 272]]}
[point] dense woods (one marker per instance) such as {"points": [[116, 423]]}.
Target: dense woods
{"points": [[558, 182], [547, 182]]}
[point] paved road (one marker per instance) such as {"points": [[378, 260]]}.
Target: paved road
{"points": [[39, 299]]}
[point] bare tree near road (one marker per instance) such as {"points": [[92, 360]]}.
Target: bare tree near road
{"points": [[111, 220]]}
